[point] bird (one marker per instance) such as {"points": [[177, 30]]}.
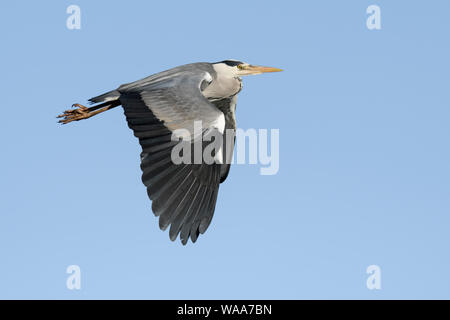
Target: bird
{"points": [[167, 105]]}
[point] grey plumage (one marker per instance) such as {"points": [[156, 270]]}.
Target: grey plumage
{"points": [[184, 195], [157, 108], [181, 194], [228, 108]]}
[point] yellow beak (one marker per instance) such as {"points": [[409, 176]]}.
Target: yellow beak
{"points": [[250, 69]]}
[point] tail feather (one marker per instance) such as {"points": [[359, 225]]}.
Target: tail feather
{"points": [[108, 96]]}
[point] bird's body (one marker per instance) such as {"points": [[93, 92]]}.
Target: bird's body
{"points": [[166, 107]]}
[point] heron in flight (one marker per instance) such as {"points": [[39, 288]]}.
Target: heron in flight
{"points": [[157, 107]]}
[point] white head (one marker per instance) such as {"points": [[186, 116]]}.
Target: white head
{"points": [[235, 69]]}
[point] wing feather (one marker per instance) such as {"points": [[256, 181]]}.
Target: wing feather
{"points": [[183, 195]]}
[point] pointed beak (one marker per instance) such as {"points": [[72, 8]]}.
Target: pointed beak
{"points": [[250, 69]]}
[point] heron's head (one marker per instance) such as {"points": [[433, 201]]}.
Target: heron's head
{"points": [[234, 68]]}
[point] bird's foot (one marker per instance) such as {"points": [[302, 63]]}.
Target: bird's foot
{"points": [[79, 113]]}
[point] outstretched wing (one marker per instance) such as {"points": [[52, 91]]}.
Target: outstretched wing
{"points": [[183, 195]]}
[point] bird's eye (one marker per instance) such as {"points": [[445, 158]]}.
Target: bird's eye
{"points": [[240, 66]]}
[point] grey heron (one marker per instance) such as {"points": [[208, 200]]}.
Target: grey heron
{"points": [[183, 195]]}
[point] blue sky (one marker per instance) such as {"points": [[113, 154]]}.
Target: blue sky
{"points": [[364, 158]]}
